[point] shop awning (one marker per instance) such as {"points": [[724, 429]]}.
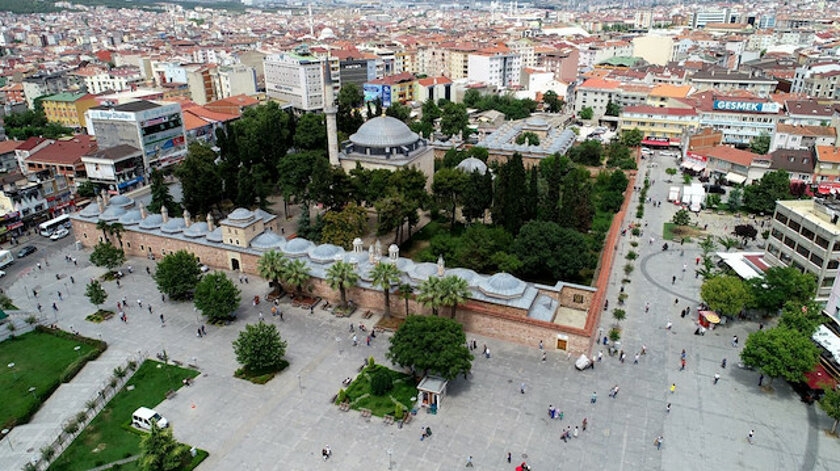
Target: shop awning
{"points": [[819, 378], [735, 178], [711, 317]]}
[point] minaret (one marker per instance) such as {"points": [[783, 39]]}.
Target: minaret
{"points": [[330, 111]]}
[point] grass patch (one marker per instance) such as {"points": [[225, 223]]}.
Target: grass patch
{"points": [[99, 316], [390, 324], [110, 437], [259, 377], [671, 231], [43, 359], [7, 304], [360, 396]]}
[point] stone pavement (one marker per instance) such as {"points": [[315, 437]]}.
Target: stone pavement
{"points": [[284, 424]]}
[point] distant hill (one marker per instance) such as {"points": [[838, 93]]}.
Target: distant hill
{"points": [[48, 6]]}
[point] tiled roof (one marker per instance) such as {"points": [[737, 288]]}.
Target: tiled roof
{"points": [[828, 154], [599, 84], [729, 154], [792, 160], [65, 152], [817, 131], [31, 143], [671, 91], [8, 146], [659, 111]]}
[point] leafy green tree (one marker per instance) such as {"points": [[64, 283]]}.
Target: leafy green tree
{"points": [[479, 244], [454, 120], [177, 274], [433, 345], [384, 275], [295, 274], [618, 155], [734, 201], [217, 297], [553, 103], [613, 109], [726, 294], [454, 291], [477, 195], [341, 227], [341, 275], [671, 171], [161, 452], [781, 352], [259, 348], [576, 206], [107, 256], [708, 245], [780, 285], [761, 197], [95, 293], [430, 113], [448, 185], [296, 175], [200, 179], [311, 132], [509, 202], [406, 292], [399, 111], [632, 137], [804, 317], [271, 265], [728, 242], [472, 97], [830, 403], [760, 144], [348, 116], [587, 153], [681, 218], [552, 169], [380, 382], [586, 112], [550, 252], [528, 138], [161, 197], [330, 185], [33, 123], [86, 189]]}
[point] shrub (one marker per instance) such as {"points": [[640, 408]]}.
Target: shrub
{"points": [[371, 362], [398, 411], [120, 372], [71, 428], [81, 416], [31, 320], [633, 243], [614, 334], [631, 255], [47, 453], [636, 232], [132, 365], [380, 382], [342, 396], [628, 268], [619, 314]]}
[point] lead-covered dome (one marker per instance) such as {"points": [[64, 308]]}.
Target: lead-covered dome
{"points": [[384, 131]]}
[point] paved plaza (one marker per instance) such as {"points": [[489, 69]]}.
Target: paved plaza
{"points": [[284, 424]]}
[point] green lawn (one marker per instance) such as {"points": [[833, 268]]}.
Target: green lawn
{"points": [[42, 359], [360, 397], [671, 231], [110, 437]]}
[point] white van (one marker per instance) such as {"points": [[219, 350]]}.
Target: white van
{"points": [[145, 417]]}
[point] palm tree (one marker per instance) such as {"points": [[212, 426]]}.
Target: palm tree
{"points": [[708, 245], [384, 275], [295, 274], [341, 275], [271, 265], [455, 291], [116, 229], [103, 226], [405, 290], [431, 294], [728, 242]]}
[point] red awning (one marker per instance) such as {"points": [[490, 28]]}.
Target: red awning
{"points": [[819, 378], [648, 142]]}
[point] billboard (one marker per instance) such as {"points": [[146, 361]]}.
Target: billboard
{"points": [[748, 106], [382, 92]]}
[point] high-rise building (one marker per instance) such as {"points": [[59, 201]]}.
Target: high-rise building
{"points": [[295, 78]]}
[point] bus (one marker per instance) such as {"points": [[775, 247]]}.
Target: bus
{"points": [[47, 228]]}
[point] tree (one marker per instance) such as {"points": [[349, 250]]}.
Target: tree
{"points": [[780, 285], [708, 245], [454, 291], [681, 218], [671, 171], [454, 120], [200, 179], [259, 348], [311, 132], [550, 252], [161, 452], [399, 111], [433, 345], [804, 317], [613, 109], [431, 294], [726, 294], [553, 103], [405, 291], [528, 138], [734, 201], [576, 206], [448, 185], [217, 297], [472, 97], [477, 195], [86, 189], [746, 232], [781, 352], [830, 403], [586, 112], [761, 196], [271, 266], [384, 275], [116, 229], [348, 117], [95, 293], [295, 274], [342, 275], [618, 155], [760, 144], [588, 153], [341, 227], [177, 274], [161, 197], [107, 256], [632, 137], [728, 243], [509, 202]]}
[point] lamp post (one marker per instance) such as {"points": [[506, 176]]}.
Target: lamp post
{"points": [[78, 349], [300, 386], [12, 367], [5, 433], [390, 464], [32, 391]]}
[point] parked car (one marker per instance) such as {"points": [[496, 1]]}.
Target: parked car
{"points": [[2, 273], [24, 251], [60, 233]]}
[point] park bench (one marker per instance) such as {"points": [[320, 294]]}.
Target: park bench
{"points": [[176, 362], [344, 406], [388, 419], [335, 396], [365, 413], [367, 315], [170, 394]]}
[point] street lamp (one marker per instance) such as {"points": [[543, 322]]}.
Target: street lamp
{"points": [[32, 390], [389, 458], [300, 386], [12, 367], [78, 349], [5, 433]]}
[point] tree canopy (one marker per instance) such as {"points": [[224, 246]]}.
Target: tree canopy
{"points": [[259, 348], [95, 293], [760, 144], [830, 403], [780, 285], [726, 294], [761, 197], [107, 256], [586, 112], [781, 352], [200, 180], [342, 275], [311, 132], [32, 123], [161, 198], [553, 103], [550, 252], [161, 452], [177, 274], [217, 297], [348, 116], [431, 344]]}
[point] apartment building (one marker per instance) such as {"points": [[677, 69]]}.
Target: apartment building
{"points": [[724, 80], [817, 80], [741, 116], [68, 109], [100, 80], [497, 67], [297, 79], [659, 122], [596, 93], [805, 234]]}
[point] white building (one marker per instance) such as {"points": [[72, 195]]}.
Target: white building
{"points": [[115, 80], [235, 80], [297, 79], [501, 70]]}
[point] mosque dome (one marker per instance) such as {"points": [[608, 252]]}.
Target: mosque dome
{"points": [[472, 164], [384, 131]]}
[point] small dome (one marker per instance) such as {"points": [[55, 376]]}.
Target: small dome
{"points": [[326, 33], [268, 240], [121, 201], [472, 164], [465, 274], [196, 229], [536, 122], [131, 217], [215, 236], [297, 247], [152, 221], [502, 285], [325, 253], [173, 226], [240, 214], [384, 131], [90, 211], [422, 271], [111, 213]]}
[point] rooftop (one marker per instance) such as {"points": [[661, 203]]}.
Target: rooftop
{"points": [[65, 152], [131, 107], [67, 97]]}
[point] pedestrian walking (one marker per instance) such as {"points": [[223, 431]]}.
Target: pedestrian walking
{"points": [[198, 332], [658, 442], [622, 356], [150, 309], [203, 330], [162, 298], [355, 340], [669, 325], [162, 321], [148, 271], [74, 262], [644, 349], [575, 433], [59, 296], [600, 356], [261, 316], [508, 457], [684, 267], [760, 379], [543, 356], [636, 359], [139, 302], [697, 261], [522, 388], [750, 436], [673, 279], [723, 363], [281, 316], [368, 340], [130, 269], [246, 279], [55, 308], [647, 306], [583, 424], [717, 378], [734, 340], [682, 364], [38, 265], [668, 408], [39, 307], [682, 354], [486, 352], [118, 284], [541, 345], [469, 462], [593, 398], [673, 387], [240, 279]]}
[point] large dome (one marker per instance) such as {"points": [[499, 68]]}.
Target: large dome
{"points": [[384, 131]]}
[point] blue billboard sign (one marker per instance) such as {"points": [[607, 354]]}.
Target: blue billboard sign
{"points": [[748, 106]]}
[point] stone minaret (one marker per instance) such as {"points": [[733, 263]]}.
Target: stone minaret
{"points": [[330, 111]]}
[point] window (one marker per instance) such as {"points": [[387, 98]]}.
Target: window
{"points": [[816, 260], [803, 251], [833, 264], [821, 242], [790, 242], [827, 282], [807, 233], [773, 250], [795, 226], [577, 299]]}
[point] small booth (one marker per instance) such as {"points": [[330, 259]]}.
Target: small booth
{"points": [[707, 319], [432, 389]]}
